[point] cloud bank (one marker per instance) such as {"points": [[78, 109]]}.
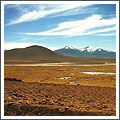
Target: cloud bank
{"points": [[89, 26], [36, 12]]}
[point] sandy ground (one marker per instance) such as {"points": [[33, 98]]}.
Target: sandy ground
{"points": [[42, 99]]}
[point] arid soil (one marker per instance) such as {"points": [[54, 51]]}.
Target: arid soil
{"points": [[37, 99], [60, 90]]}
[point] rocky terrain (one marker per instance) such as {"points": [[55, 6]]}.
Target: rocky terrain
{"points": [[47, 99]]}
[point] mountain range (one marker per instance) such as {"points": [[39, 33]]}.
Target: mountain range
{"points": [[39, 54], [89, 52]]}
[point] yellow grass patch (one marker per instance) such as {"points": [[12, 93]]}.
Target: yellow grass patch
{"points": [[71, 75]]}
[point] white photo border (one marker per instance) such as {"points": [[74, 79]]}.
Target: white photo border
{"points": [[59, 117]]}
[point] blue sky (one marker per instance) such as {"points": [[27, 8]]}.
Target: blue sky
{"points": [[57, 25]]}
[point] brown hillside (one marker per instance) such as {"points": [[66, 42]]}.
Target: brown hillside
{"points": [[41, 54], [32, 52]]}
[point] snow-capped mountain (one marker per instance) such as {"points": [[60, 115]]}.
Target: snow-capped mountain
{"points": [[68, 47], [94, 49], [89, 51]]}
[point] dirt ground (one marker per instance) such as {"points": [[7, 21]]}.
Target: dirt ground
{"points": [[36, 99], [60, 90]]}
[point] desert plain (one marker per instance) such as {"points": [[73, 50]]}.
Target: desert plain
{"points": [[60, 90]]}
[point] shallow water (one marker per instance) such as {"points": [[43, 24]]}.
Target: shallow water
{"points": [[71, 82], [65, 78], [94, 73]]}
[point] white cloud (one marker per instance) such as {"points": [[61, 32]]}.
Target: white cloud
{"points": [[106, 34], [41, 11], [24, 39], [12, 45], [103, 31], [81, 27]]}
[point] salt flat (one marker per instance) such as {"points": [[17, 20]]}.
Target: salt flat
{"points": [[59, 64]]}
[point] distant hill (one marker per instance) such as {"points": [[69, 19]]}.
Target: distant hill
{"points": [[44, 55], [34, 52], [89, 51]]}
